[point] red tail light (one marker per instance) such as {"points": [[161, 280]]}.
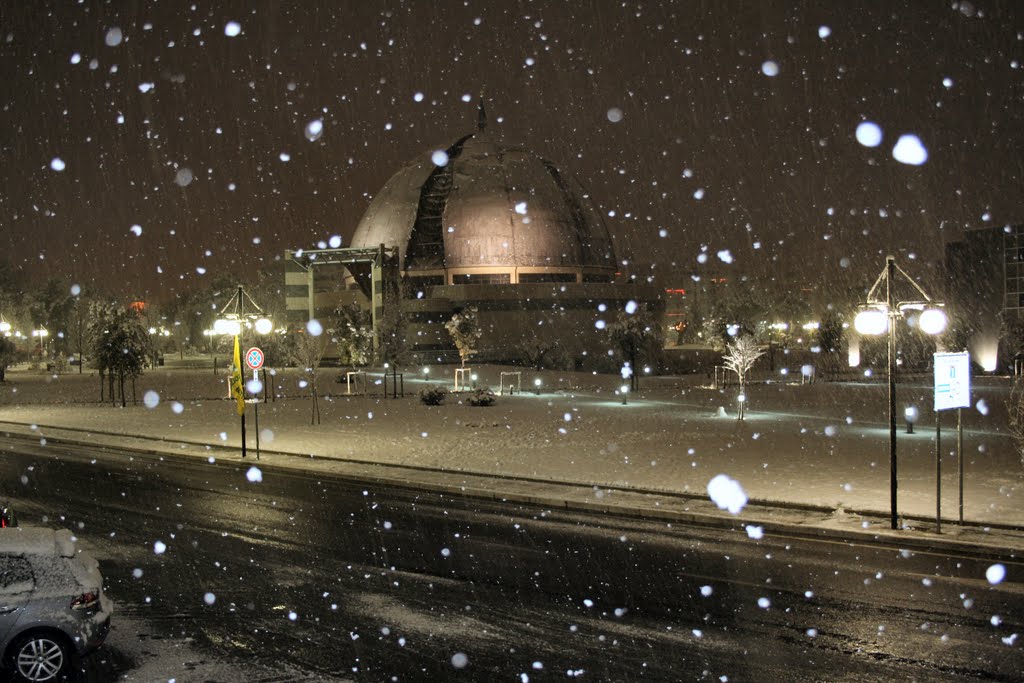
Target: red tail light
{"points": [[85, 601]]}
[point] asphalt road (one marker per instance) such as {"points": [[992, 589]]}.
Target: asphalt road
{"points": [[331, 579]]}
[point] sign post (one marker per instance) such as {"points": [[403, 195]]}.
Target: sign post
{"points": [[952, 390], [254, 359]]}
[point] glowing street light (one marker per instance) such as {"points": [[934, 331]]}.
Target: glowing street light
{"points": [[878, 316]]}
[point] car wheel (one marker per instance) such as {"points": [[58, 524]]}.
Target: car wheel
{"points": [[40, 658]]}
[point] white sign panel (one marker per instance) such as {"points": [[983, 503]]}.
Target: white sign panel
{"points": [[952, 380]]}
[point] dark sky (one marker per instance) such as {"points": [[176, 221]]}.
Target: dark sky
{"points": [[786, 187]]}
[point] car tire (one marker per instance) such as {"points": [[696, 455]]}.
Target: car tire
{"points": [[40, 657]]}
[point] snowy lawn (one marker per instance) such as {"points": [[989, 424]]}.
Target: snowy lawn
{"points": [[824, 444]]}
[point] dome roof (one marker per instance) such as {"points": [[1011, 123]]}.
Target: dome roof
{"points": [[491, 205]]}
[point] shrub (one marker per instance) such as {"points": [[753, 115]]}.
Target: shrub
{"points": [[433, 396], [480, 397]]}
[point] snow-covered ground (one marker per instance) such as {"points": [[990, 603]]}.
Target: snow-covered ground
{"points": [[823, 444]]}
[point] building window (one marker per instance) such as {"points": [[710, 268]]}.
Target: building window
{"points": [[481, 279], [526, 278], [425, 280]]}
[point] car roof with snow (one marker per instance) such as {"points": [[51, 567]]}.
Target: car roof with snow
{"points": [[23, 540]]}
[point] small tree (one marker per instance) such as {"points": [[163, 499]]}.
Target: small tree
{"points": [[353, 332], [739, 357], [120, 345], [637, 337], [8, 354], [464, 328], [307, 352], [830, 341], [1015, 410]]}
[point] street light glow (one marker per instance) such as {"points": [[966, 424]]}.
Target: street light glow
{"points": [[227, 326], [263, 326], [871, 321], [932, 321]]}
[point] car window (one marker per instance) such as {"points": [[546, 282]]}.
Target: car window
{"points": [[15, 574]]}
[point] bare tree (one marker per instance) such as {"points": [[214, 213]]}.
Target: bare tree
{"points": [[307, 351], [740, 356], [638, 336]]}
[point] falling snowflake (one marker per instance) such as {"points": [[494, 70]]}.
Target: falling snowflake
{"points": [[113, 37], [909, 150], [869, 134], [314, 129], [727, 493]]}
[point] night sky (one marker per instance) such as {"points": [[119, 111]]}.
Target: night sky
{"points": [[663, 110]]}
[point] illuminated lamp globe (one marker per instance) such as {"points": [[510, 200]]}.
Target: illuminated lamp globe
{"points": [[871, 321], [932, 321], [263, 326], [227, 326], [5, 326]]}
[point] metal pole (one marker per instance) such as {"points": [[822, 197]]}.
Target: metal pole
{"points": [[890, 297], [960, 456], [256, 416], [938, 475], [243, 434]]}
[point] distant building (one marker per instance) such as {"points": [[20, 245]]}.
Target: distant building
{"points": [[985, 285], [486, 224]]}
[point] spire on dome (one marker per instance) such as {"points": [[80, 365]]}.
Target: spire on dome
{"points": [[481, 114]]}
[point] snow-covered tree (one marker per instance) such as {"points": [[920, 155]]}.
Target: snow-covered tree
{"points": [[740, 356], [120, 344], [464, 328], [353, 332]]}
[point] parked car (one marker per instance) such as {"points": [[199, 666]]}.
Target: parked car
{"points": [[52, 605]]}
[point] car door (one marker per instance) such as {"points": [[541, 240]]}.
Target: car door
{"points": [[16, 584]]}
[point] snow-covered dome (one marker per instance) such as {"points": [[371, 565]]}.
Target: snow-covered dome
{"points": [[488, 212]]}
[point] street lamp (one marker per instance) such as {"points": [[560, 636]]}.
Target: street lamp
{"points": [[41, 334], [878, 316], [235, 316]]}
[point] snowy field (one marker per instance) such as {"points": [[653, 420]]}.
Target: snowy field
{"points": [[823, 444]]}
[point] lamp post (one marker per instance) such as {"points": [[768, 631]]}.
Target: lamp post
{"points": [[41, 334], [878, 316], [233, 317]]}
